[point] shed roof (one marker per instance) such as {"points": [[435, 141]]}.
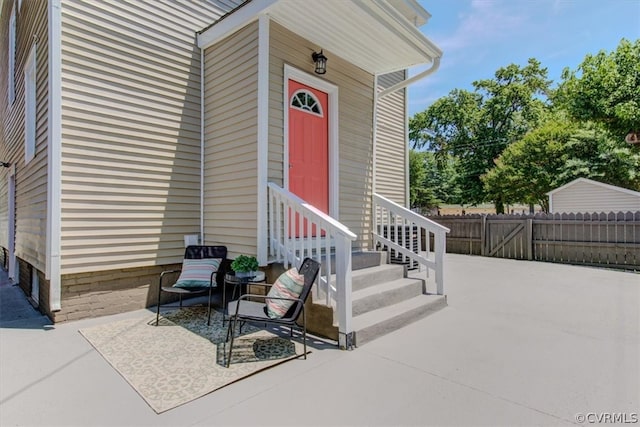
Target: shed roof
{"points": [[597, 183]]}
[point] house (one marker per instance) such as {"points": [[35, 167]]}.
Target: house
{"points": [[584, 195], [128, 125]]}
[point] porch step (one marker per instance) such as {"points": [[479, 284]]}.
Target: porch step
{"points": [[362, 260], [383, 299], [376, 279], [385, 294], [367, 277], [381, 321]]}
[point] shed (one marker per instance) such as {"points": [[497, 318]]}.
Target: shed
{"points": [[586, 195]]}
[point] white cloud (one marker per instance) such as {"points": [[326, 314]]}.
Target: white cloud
{"points": [[486, 22]]}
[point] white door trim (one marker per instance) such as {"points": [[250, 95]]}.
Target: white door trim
{"points": [[291, 73]]}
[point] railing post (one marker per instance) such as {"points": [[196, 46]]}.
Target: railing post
{"points": [[440, 248], [343, 288]]}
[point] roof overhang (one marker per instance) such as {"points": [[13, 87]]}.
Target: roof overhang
{"points": [[371, 34]]}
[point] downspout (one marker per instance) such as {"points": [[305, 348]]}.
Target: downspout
{"points": [[54, 149], [407, 185], [377, 96], [434, 67], [375, 133]]}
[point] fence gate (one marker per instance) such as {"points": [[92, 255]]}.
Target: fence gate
{"points": [[507, 238], [611, 240]]}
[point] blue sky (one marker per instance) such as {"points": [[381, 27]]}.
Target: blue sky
{"points": [[480, 36]]}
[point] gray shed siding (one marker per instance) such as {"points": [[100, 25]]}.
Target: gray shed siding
{"points": [[588, 196]]}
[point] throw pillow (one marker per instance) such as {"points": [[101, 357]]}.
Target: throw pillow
{"points": [[196, 273], [288, 285]]}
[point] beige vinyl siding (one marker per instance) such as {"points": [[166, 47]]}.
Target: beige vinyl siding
{"points": [[355, 99], [31, 178], [9, 122], [391, 144], [582, 197], [131, 131], [230, 134]]}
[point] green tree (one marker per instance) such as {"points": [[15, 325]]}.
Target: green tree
{"points": [[431, 181], [442, 177], [556, 153], [475, 127], [592, 152], [605, 88], [420, 197], [529, 168]]}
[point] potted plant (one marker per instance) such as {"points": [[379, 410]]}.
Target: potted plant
{"points": [[244, 265]]}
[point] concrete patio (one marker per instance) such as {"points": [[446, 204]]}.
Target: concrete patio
{"points": [[521, 343]]}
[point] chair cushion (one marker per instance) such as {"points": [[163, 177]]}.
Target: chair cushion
{"points": [[288, 285], [196, 273]]}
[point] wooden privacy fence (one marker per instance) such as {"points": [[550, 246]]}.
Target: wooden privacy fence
{"points": [[611, 240]]}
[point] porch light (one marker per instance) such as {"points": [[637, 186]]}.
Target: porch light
{"points": [[321, 62], [5, 164]]}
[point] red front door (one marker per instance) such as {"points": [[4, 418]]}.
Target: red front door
{"points": [[308, 146]]}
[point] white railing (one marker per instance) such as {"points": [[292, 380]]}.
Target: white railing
{"points": [[298, 230], [400, 230]]}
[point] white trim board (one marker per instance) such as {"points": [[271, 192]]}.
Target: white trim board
{"points": [[334, 159]]}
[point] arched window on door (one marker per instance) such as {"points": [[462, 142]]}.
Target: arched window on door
{"points": [[306, 101]]}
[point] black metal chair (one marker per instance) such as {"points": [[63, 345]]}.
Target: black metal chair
{"points": [[215, 279], [244, 310]]}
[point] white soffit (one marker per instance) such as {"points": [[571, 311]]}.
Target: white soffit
{"points": [[372, 34]]}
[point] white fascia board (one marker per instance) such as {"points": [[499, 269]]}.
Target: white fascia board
{"points": [[233, 22], [419, 10], [410, 31], [412, 10]]}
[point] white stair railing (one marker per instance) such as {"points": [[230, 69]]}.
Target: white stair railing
{"points": [[399, 229], [298, 230]]}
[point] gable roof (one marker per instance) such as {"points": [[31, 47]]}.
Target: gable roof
{"points": [[373, 35], [597, 183]]}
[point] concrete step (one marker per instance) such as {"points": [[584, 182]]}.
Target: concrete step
{"points": [[372, 276], [385, 294], [383, 299], [362, 260], [376, 323]]}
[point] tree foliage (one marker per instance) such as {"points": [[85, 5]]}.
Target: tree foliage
{"points": [[475, 127], [431, 182], [513, 139], [555, 154], [605, 88], [527, 169]]}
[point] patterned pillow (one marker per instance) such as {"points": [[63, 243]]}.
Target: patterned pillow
{"points": [[196, 273], [288, 285]]}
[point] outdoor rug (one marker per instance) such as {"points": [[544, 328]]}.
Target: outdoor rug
{"points": [[183, 359]]}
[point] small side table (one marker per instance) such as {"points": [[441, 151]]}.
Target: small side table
{"points": [[238, 282]]}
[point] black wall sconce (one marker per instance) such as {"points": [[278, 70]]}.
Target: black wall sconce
{"points": [[320, 61], [5, 164]]}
